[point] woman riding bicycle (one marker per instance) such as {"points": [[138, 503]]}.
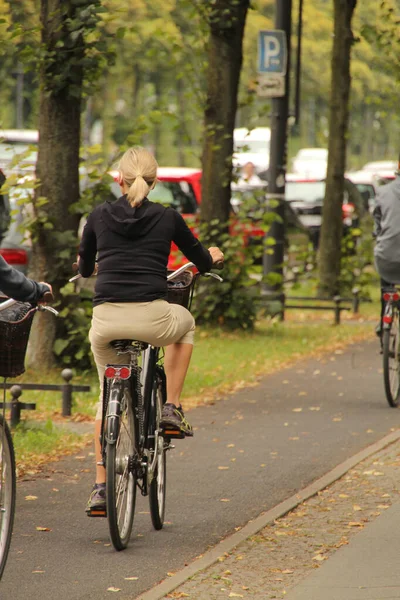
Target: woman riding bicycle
{"points": [[131, 238]]}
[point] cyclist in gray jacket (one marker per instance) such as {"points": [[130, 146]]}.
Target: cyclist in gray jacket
{"points": [[14, 284], [387, 234]]}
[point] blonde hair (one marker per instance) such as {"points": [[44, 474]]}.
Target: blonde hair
{"points": [[138, 170]]}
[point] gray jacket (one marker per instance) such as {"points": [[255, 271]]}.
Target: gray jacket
{"points": [[15, 285], [387, 231]]}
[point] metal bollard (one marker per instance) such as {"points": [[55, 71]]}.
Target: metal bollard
{"points": [[67, 375], [337, 300], [16, 392], [356, 300]]}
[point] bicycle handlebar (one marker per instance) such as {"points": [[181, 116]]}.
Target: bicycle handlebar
{"points": [[218, 265], [47, 297]]}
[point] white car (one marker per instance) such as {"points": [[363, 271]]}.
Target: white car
{"points": [[367, 182], [311, 163], [381, 166], [252, 145], [15, 142]]}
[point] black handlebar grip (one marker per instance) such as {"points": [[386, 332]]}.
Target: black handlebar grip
{"points": [[48, 297], [219, 265]]}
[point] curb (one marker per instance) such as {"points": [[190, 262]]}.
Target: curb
{"points": [[252, 527]]}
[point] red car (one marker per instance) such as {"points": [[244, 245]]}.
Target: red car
{"points": [[180, 187]]}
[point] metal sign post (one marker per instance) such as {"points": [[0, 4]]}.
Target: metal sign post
{"points": [[274, 61]]}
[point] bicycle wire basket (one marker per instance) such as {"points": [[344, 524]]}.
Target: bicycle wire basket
{"points": [[15, 327], [180, 289]]}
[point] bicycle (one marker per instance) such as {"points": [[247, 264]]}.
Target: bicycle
{"points": [[14, 335], [134, 447], [390, 345]]}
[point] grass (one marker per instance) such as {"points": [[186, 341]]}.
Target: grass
{"points": [[222, 363]]}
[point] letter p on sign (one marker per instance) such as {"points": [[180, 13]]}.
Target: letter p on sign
{"points": [[272, 52]]}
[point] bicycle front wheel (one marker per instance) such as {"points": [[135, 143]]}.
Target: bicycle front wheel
{"points": [[390, 347], [7, 491], [120, 477], [157, 487]]}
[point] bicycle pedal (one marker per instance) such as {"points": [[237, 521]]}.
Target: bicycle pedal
{"points": [[91, 512], [173, 433]]}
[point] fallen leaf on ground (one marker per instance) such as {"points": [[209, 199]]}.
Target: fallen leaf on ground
{"points": [[320, 557], [314, 408], [43, 529], [224, 500], [31, 498], [356, 507], [113, 589], [223, 468], [131, 578], [233, 595], [287, 571], [230, 445], [355, 524], [297, 409], [38, 571]]}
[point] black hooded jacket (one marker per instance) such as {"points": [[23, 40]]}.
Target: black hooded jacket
{"points": [[132, 246]]}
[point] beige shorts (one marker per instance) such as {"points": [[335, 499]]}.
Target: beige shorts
{"points": [[157, 323]]}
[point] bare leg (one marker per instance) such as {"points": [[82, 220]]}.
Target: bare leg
{"points": [[176, 364], [100, 471]]}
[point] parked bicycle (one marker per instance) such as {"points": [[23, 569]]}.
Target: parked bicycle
{"points": [[134, 446], [390, 345], [15, 325]]}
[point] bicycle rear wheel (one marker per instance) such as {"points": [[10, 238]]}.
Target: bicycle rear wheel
{"points": [[120, 477], [157, 487], [390, 347], [7, 491]]}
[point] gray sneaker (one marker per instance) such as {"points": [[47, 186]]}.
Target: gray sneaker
{"points": [[97, 498], [173, 416]]}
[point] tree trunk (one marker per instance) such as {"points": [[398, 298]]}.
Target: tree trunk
{"points": [[331, 231], [227, 22], [57, 168]]}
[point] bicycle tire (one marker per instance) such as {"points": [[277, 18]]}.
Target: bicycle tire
{"points": [[120, 477], [7, 491], [157, 487], [390, 348]]}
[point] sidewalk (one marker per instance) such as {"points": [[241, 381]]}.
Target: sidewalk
{"points": [[342, 544]]}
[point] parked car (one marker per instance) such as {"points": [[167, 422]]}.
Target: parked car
{"points": [[15, 245], [368, 183], [311, 163], [306, 197], [252, 146], [381, 165], [251, 201], [18, 142]]}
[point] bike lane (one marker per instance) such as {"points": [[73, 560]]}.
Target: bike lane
{"points": [[250, 452]]}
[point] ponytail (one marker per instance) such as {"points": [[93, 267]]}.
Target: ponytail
{"points": [[138, 169], [138, 191]]}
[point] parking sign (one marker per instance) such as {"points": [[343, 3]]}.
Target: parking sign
{"points": [[272, 52]]}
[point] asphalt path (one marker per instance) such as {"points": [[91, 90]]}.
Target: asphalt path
{"points": [[270, 440]]}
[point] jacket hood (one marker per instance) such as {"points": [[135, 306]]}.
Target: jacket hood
{"points": [[127, 221]]}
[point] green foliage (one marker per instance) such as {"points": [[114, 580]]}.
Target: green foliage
{"points": [[231, 303], [72, 347], [357, 264]]}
